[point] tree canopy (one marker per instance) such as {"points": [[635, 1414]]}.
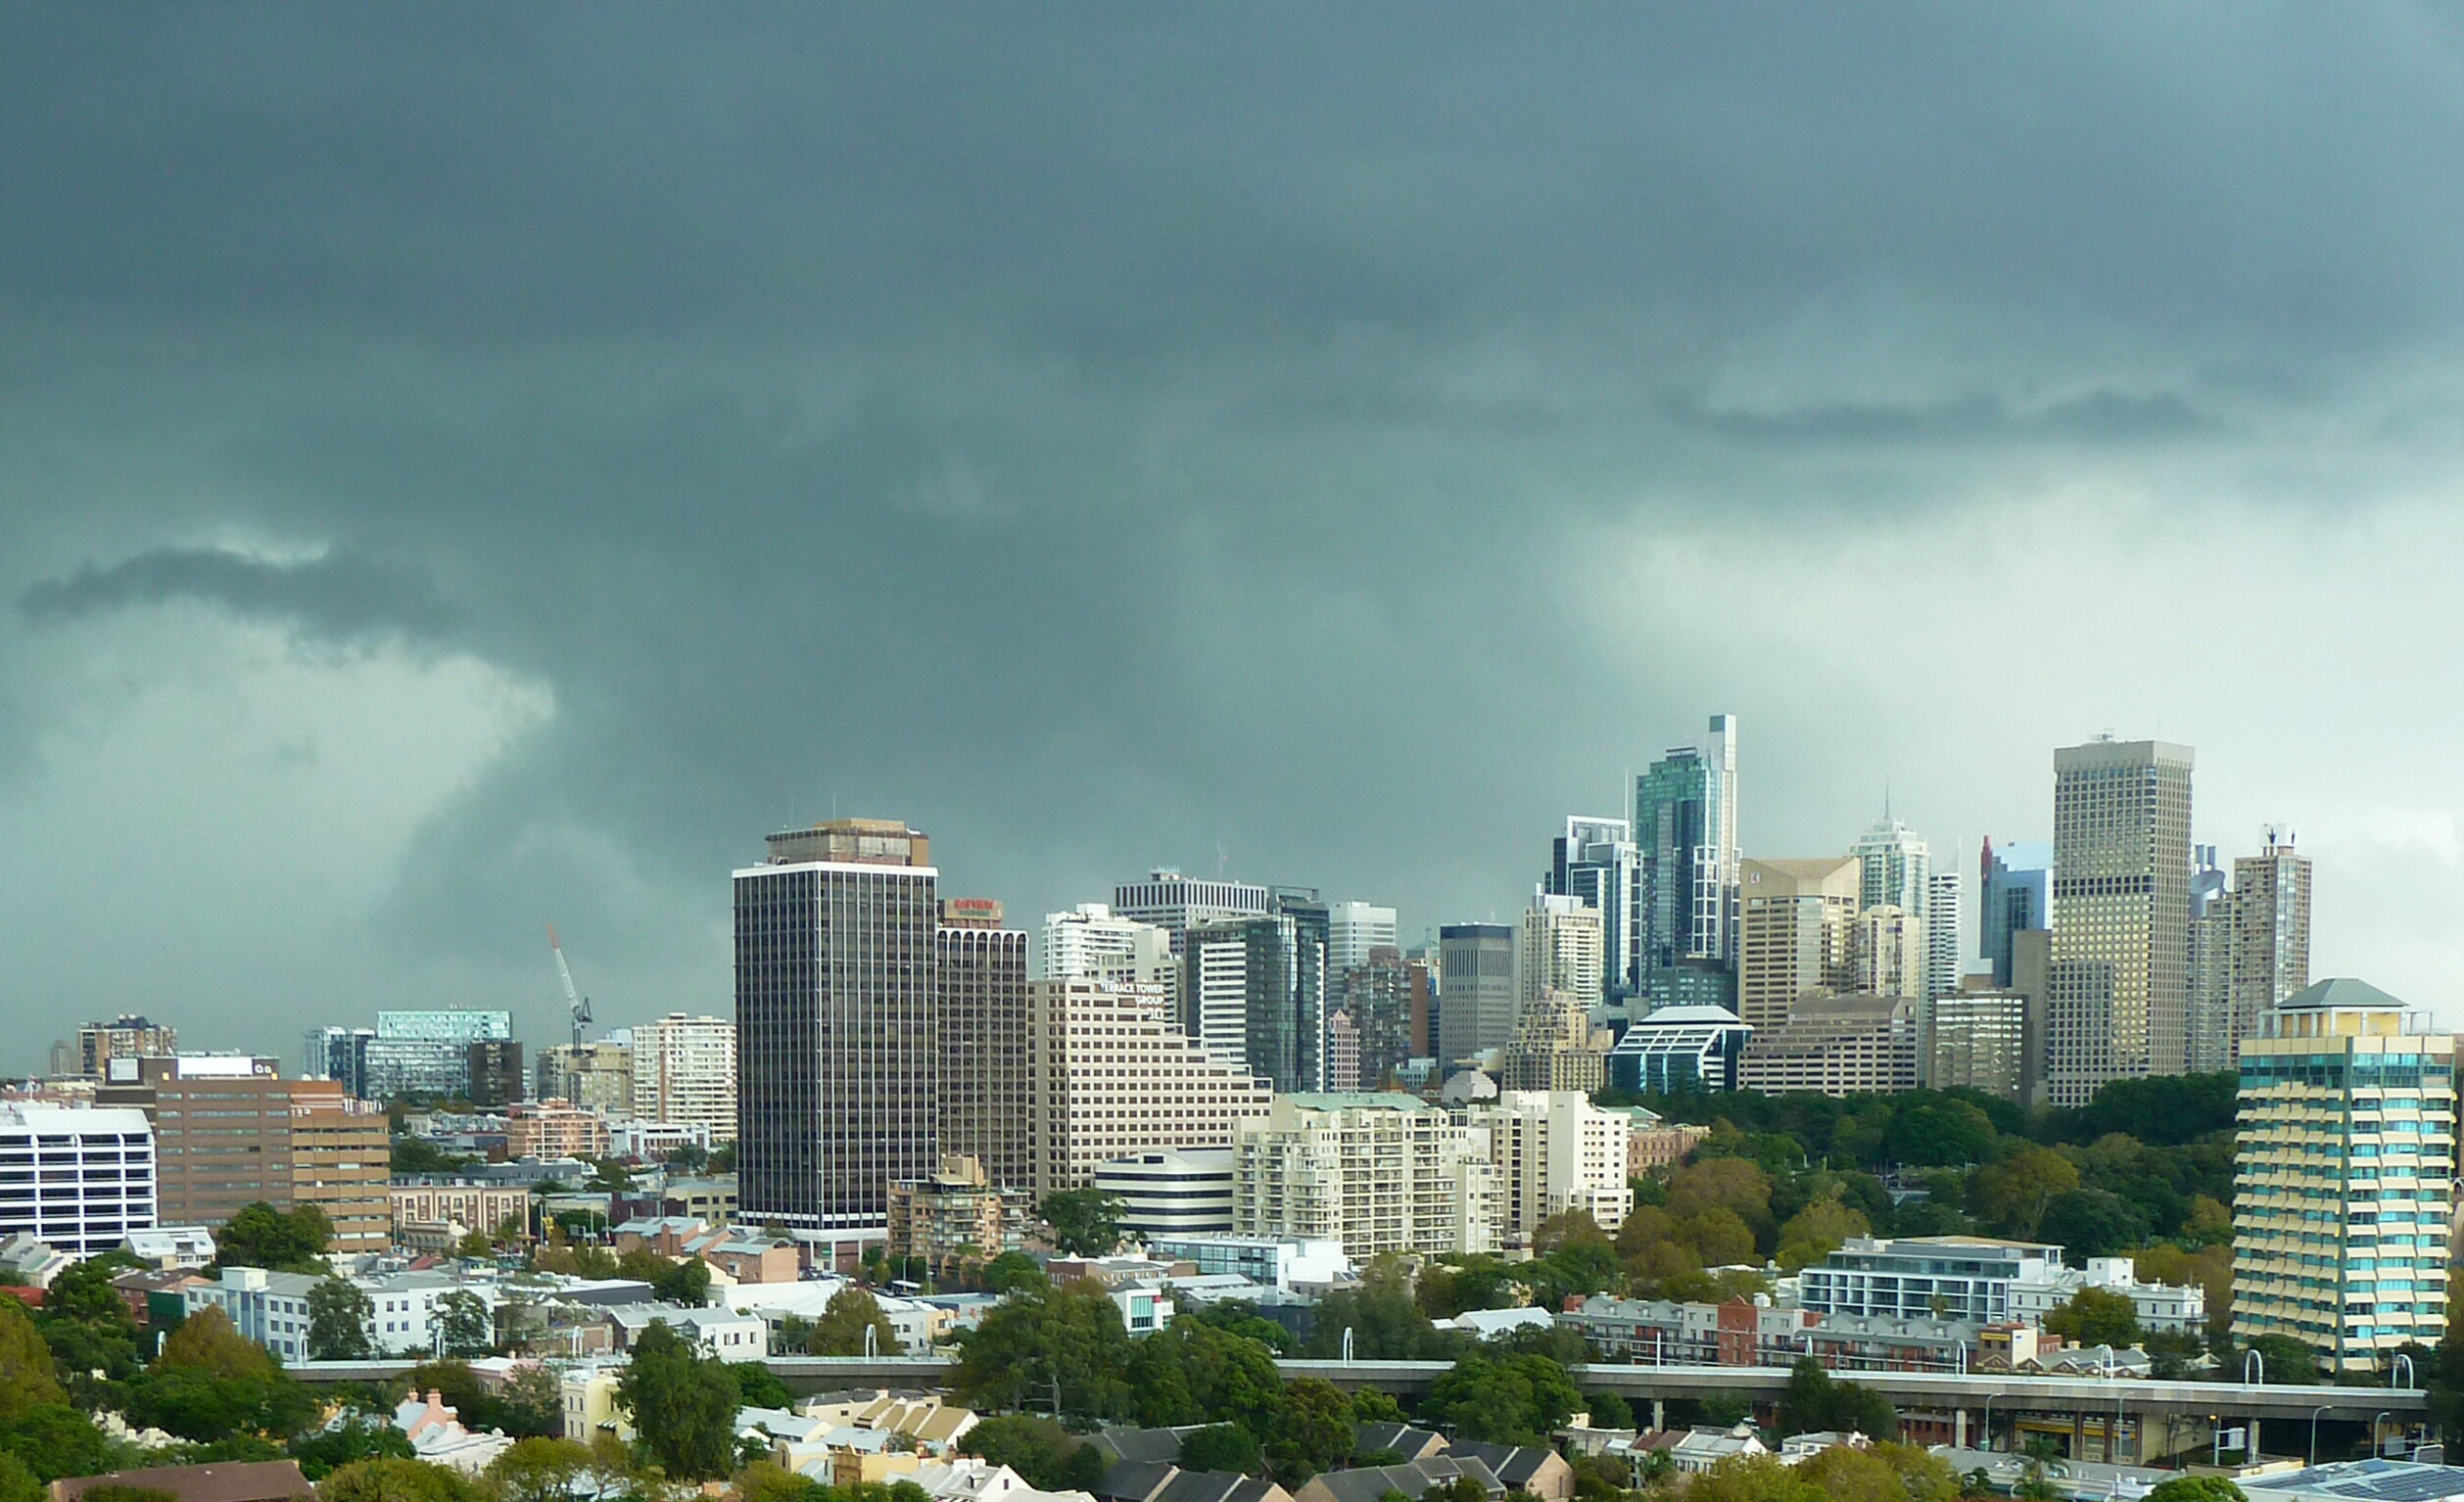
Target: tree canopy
{"points": [[1086, 1222], [292, 1240], [683, 1402]]}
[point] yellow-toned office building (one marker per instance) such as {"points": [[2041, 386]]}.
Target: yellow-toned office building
{"points": [[2345, 1176]]}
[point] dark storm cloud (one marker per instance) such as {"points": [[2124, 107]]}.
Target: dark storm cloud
{"points": [[2105, 417], [339, 595], [1102, 433]]}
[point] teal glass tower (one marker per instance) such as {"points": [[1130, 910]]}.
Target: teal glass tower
{"points": [[1684, 827]]}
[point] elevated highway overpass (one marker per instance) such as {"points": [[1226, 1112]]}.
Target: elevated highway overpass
{"points": [[1970, 1403]]}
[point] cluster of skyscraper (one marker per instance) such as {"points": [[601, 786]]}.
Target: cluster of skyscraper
{"points": [[880, 1025]]}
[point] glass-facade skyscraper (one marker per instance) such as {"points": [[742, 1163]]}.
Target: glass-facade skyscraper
{"points": [[2014, 891], [836, 1009], [1684, 827], [1596, 860]]}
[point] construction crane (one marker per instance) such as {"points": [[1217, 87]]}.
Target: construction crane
{"points": [[578, 1004]]}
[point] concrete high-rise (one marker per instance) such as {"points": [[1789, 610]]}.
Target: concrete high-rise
{"points": [[2014, 891], [2209, 987], [2119, 1007], [1560, 951], [2249, 945], [1889, 951], [95, 1168], [2271, 933], [1945, 917], [1555, 1047], [1176, 903], [126, 1036], [1112, 1074], [684, 1072], [1354, 928], [987, 1085], [1797, 935], [1684, 827], [1598, 861], [1092, 941], [1476, 990], [596, 1076], [836, 992], [1895, 866], [2344, 1177]]}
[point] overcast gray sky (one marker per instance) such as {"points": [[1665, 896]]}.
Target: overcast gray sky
{"points": [[467, 468]]}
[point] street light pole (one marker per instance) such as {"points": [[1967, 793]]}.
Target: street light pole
{"points": [[2314, 1413]]}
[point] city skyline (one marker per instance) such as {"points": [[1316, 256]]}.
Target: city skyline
{"points": [[485, 514], [1970, 940]]}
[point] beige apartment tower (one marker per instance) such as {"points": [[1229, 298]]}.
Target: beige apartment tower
{"points": [[1890, 952], [2271, 932], [683, 1071], [1556, 1048], [986, 1088], [1561, 952], [1796, 936], [1110, 1075], [2344, 1177], [2121, 983], [1376, 1172]]}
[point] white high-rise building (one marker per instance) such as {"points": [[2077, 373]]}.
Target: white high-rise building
{"points": [[683, 1071], [1561, 951], [1176, 903], [1092, 941], [1353, 929], [1894, 863], [1890, 952], [1375, 1172], [76, 1178], [1944, 918], [1554, 1151]]}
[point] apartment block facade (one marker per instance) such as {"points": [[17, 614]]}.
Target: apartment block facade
{"points": [[1112, 1075], [1375, 1172], [1554, 1151], [2345, 1176]]}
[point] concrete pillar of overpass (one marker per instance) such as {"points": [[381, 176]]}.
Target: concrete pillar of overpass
{"points": [[1659, 1414], [1959, 1428]]}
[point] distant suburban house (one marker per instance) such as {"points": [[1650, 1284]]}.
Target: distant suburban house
{"points": [[254, 1481]]}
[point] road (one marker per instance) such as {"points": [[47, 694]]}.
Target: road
{"points": [[1912, 1392]]}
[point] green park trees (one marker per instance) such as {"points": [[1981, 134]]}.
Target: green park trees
{"points": [[1086, 1222], [683, 1402]]}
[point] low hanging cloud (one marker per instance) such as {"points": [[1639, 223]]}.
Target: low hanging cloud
{"points": [[336, 595]]}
